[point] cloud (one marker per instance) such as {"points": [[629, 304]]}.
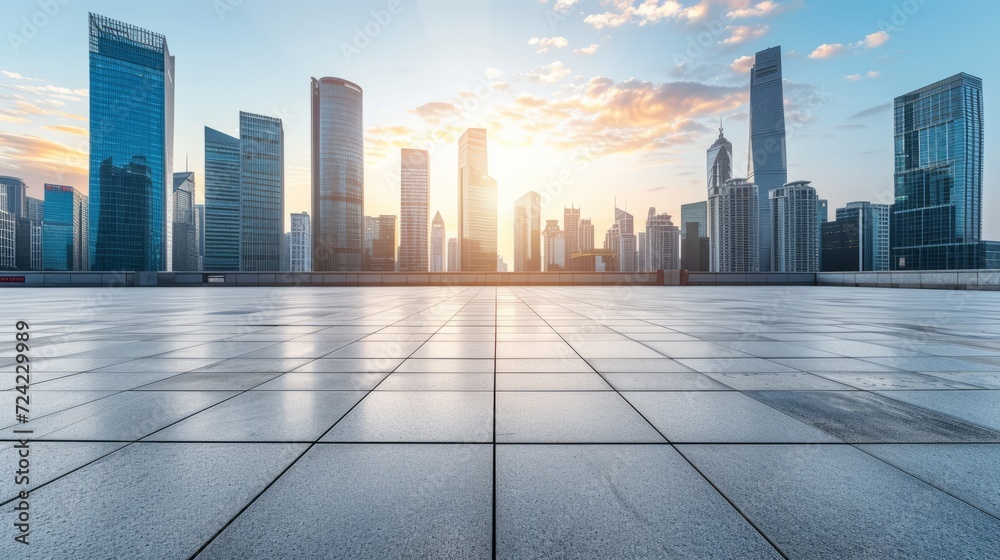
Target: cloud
{"points": [[434, 112], [871, 111], [643, 12], [16, 76], [549, 74], [853, 77], [743, 33], [40, 154], [557, 42], [760, 9], [871, 74], [563, 6], [871, 41], [827, 51], [875, 40], [69, 129], [587, 51], [743, 64]]}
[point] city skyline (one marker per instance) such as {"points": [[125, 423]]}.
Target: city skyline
{"points": [[832, 105]]}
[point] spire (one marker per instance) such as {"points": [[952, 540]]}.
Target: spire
{"points": [[720, 127]]}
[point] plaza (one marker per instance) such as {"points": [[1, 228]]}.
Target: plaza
{"points": [[509, 422]]}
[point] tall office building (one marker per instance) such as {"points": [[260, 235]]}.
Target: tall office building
{"points": [[662, 242], [199, 232], [768, 167], [453, 255], [298, 244], [937, 216], [36, 209], [696, 212], [185, 243], [734, 223], [622, 240], [222, 201], [871, 247], [379, 243], [17, 196], [642, 252], [28, 244], [794, 241], [438, 260], [262, 192], [555, 247], [694, 249], [131, 147], [720, 161], [822, 216], [585, 236], [8, 232], [415, 200], [338, 175], [477, 205], [571, 225], [528, 233], [64, 236]]}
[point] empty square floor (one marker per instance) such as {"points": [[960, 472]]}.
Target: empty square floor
{"points": [[506, 422]]}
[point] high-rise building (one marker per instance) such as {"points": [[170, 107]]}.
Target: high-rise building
{"points": [[622, 239], [453, 255], [28, 244], [64, 235], [696, 212], [8, 233], [733, 224], [262, 192], [199, 232], [477, 205], [528, 233], [17, 196], [662, 242], [794, 243], [185, 243], [841, 245], [438, 260], [768, 167], [571, 225], [415, 200], [937, 216], [222, 202], [338, 175], [555, 247], [822, 216], [380, 243], [871, 224], [298, 244], [36, 209], [501, 265], [585, 236], [131, 147], [720, 162], [642, 252], [694, 249]]}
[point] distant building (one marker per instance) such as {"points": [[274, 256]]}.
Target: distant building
{"points": [[65, 230], [414, 207], [841, 245], [794, 242], [222, 202], [873, 228], [662, 242], [768, 165], [694, 249], [527, 233], [593, 260], [622, 239], [585, 235], [477, 205], [695, 212], [822, 216], [380, 243], [298, 244], [28, 244], [571, 225], [501, 266], [36, 209], [8, 232], [17, 196], [438, 260], [185, 232], [262, 192], [555, 247], [199, 229], [641, 252], [733, 223], [453, 255]]}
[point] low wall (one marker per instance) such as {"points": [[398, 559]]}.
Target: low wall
{"points": [[749, 278], [939, 280]]}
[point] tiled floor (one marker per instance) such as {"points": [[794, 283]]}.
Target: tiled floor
{"points": [[455, 422]]}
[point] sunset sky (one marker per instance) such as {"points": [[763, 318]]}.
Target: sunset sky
{"points": [[584, 101]]}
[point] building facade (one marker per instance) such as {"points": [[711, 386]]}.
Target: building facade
{"points": [[794, 232], [585, 235], [185, 242], [477, 205], [734, 223], [872, 224], [16, 192], [555, 247], [415, 200], [65, 230], [222, 202], [131, 147], [453, 255], [298, 244], [199, 232], [528, 233], [662, 242], [571, 225], [768, 166], [379, 243], [696, 212], [262, 192], [438, 259], [622, 239]]}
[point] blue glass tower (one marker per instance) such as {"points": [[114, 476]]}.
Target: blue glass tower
{"points": [[64, 237], [936, 221], [768, 167], [222, 201], [131, 147], [262, 192]]}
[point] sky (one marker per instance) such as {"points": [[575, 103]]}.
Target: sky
{"points": [[587, 102]]}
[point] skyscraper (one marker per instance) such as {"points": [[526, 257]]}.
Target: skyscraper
{"points": [[555, 247], [720, 161], [380, 243], [131, 147], [8, 232], [262, 192], [768, 168], [734, 223], [64, 236], [415, 200], [338, 175], [298, 244], [571, 225], [185, 242], [642, 252], [794, 243], [222, 201], [36, 209], [696, 212], [438, 260], [528, 233], [937, 216], [622, 240], [662, 242], [871, 222], [199, 232], [453, 255], [17, 196], [585, 237], [477, 205]]}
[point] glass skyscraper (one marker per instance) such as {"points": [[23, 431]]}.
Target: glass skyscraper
{"points": [[338, 175], [936, 221], [477, 205], [262, 192], [64, 236], [571, 224], [527, 233], [768, 168], [415, 200], [185, 243], [696, 212], [438, 261], [17, 196], [222, 201], [662, 250], [131, 147]]}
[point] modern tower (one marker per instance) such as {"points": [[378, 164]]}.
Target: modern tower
{"points": [[720, 161], [298, 244], [734, 223], [555, 247], [768, 168], [477, 205], [586, 235], [380, 243], [871, 222], [185, 242], [438, 260], [696, 212], [571, 225], [662, 242], [17, 196], [338, 175], [262, 192], [222, 202], [937, 216], [199, 232], [621, 239], [64, 237], [453, 255], [415, 200], [131, 147], [528, 233], [794, 231]]}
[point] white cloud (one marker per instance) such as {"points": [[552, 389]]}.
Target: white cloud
{"points": [[742, 64], [549, 74], [586, 51], [743, 33], [557, 42], [871, 41], [827, 50]]}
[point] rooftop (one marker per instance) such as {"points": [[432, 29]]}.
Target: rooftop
{"points": [[516, 422]]}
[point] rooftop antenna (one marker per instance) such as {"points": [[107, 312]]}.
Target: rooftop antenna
{"points": [[185, 162]]}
